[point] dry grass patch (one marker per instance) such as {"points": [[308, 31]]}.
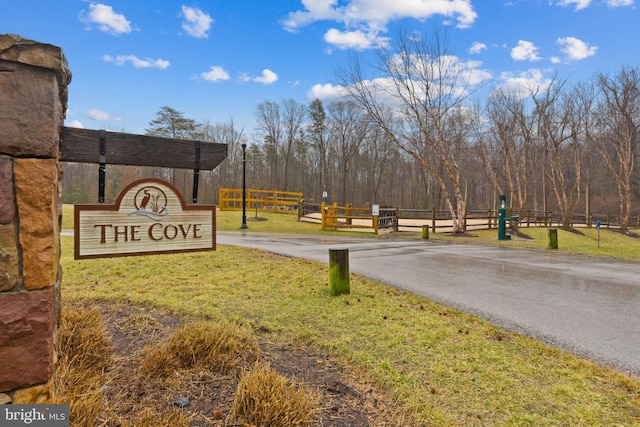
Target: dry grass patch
{"points": [[81, 376], [149, 417], [118, 393], [217, 345], [85, 354], [266, 398], [141, 323]]}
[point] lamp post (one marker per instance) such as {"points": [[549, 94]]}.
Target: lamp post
{"points": [[244, 182]]}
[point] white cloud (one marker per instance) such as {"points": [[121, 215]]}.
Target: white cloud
{"points": [[575, 48], [197, 23], [316, 10], [75, 124], [349, 39], [215, 74], [380, 11], [583, 4], [473, 74], [618, 3], [525, 51], [325, 92], [96, 114], [580, 4], [267, 77], [364, 20], [523, 84], [477, 47], [137, 62], [107, 20], [468, 75]]}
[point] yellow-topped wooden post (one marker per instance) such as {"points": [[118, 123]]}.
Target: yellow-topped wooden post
{"points": [[331, 220]]}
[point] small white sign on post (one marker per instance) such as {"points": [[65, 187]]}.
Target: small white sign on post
{"points": [[149, 217], [375, 210]]}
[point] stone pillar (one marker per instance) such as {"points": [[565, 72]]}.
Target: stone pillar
{"points": [[33, 93]]}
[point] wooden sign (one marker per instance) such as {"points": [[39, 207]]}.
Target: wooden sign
{"points": [[149, 217]]}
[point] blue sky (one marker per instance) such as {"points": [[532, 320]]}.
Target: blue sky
{"points": [[217, 60]]}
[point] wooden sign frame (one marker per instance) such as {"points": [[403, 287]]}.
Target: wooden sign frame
{"points": [[83, 146], [149, 217]]}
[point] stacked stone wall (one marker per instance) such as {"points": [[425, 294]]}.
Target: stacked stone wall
{"points": [[33, 97]]}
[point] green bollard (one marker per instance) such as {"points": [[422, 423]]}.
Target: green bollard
{"points": [[425, 232], [553, 238]]}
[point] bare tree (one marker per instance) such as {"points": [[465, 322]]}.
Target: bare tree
{"points": [[506, 145], [347, 131], [585, 93], [282, 125], [420, 105], [377, 162], [269, 118], [293, 116], [228, 173], [619, 121], [561, 133], [580, 102]]}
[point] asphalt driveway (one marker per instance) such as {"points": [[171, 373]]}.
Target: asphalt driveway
{"points": [[587, 305]]}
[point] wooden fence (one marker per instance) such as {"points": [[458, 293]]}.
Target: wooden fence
{"points": [[440, 220], [260, 200], [334, 217]]}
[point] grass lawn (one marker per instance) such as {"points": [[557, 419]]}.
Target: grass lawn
{"points": [[443, 367], [612, 243]]}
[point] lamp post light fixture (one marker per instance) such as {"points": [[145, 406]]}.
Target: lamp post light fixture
{"points": [[244, 183]]}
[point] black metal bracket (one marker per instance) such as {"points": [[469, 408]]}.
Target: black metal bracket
{"points": [[103, 162], [196, 174]]}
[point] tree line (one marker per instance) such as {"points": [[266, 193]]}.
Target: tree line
{"points": [[424, 137]]}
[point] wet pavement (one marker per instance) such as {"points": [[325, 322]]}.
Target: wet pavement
{"points": [[587, 305]]}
